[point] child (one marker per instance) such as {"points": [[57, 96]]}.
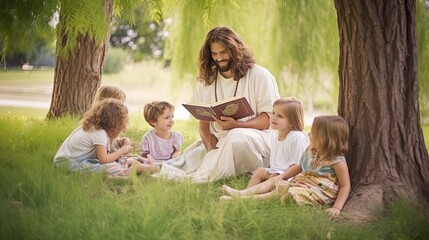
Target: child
{"points": [[287, 143], [160, 143], [321, 178], [88, 148], [105, 92], [109, 92]]}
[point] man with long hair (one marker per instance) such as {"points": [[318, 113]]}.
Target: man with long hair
{"points": [[228, 147]]}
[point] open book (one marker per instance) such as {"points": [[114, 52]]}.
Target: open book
{"points": [[235, 107]]}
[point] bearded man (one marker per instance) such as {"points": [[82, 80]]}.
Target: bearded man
{"points": [[228, 147]]}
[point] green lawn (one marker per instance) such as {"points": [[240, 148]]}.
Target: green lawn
{"points": [[39, 201]]}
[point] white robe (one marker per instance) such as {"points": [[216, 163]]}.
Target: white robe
{"points": [[239, 150]]}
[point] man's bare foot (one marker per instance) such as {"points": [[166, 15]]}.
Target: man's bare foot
{"points": [[230, 191]]}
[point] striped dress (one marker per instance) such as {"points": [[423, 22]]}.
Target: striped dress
{"points": [[316, 184]]}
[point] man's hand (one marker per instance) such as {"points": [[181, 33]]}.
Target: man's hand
{"points": [[225, 123]]}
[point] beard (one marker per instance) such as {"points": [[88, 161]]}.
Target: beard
{"points": [[224, 68]]}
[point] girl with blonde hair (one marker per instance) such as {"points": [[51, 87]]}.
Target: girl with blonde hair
{"points": [[322, 177], [288, 140]]}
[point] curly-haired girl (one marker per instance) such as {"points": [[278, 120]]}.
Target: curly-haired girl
{"points": [[87, 148]]}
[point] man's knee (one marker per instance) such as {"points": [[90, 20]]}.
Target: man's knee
{"points": [[240, 137]]}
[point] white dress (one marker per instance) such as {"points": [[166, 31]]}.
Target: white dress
{"points": [[239, 150], [287, 152]]}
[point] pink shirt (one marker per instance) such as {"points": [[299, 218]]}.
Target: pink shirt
{"points": [[159, 148]]}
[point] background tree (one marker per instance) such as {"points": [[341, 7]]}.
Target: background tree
{"points": [[83, 35], [379, 98]]}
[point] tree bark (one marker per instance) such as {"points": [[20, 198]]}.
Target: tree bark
{"points": [[78, 75], [378, 97]]}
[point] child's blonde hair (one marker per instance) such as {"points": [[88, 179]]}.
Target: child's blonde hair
{"points": [[329, 136], [108, 114], [154, 109], [293, 111], [109, 92]]}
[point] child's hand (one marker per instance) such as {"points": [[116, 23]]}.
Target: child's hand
{"points": [[126, 149], [150, 159], [124, 141], [332, 212]]}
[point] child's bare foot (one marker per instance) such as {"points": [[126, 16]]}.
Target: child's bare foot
{"points": [[226, 198], [230, 191], [116, 177], [150, 168], [155, 168]]}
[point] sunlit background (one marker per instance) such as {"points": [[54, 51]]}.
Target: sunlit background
{"points": [[154, 58]]}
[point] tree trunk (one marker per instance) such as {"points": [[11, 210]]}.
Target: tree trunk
{"points": [[378, 97], [78, 75]]}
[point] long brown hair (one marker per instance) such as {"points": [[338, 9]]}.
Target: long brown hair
{"points": [[241, 57]]}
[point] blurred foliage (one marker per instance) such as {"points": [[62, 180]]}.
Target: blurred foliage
{"points": [[145, 38], [296, 40], [81, 18], [115, 60], [24, 25]]}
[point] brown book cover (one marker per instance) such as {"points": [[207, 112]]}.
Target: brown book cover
{"points": [[236, 107]]}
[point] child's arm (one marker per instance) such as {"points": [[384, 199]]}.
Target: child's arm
{"points": [[176, 153], [291, 172], [104, 157], [177, 144], [150, 159], [144, 147], [342, 173]]}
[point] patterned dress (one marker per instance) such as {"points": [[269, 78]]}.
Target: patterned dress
{"points": [[316, 184]]}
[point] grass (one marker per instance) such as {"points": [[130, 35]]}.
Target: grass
{"points": [[39, 201], [36, 76]]}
